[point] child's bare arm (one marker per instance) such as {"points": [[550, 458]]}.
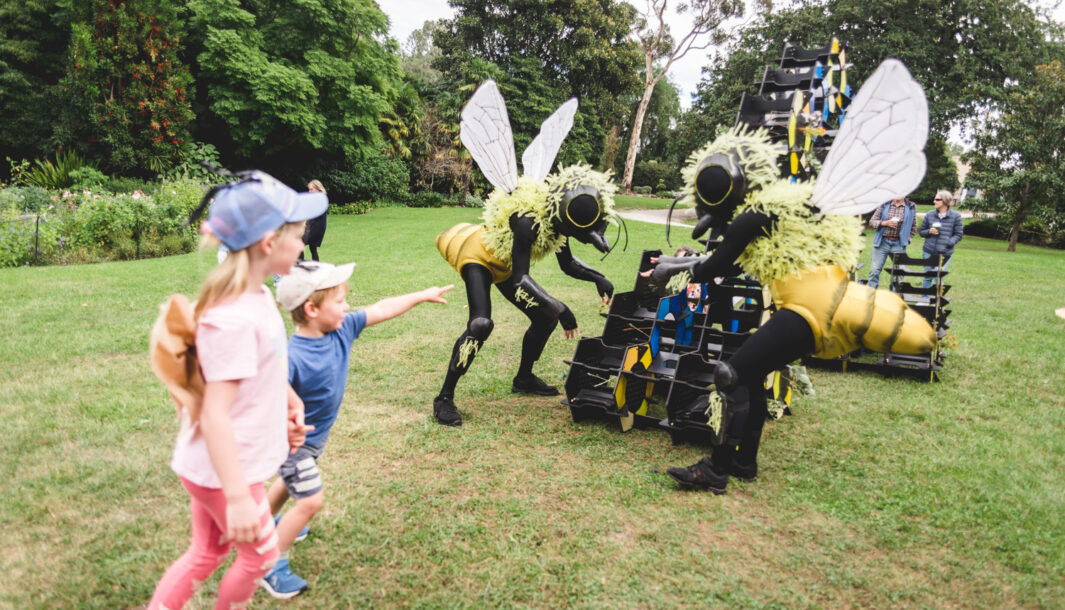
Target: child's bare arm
{"points": [[242, 513], [386, 309]]}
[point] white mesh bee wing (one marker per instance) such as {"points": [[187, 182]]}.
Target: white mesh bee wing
{"points": [[485, 132], [879, 152], [538, 158]]}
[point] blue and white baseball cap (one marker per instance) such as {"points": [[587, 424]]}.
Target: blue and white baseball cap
{"points": [[242, 213]]}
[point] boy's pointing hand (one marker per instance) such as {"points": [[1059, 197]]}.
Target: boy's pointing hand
{"points": [[435, 294]]}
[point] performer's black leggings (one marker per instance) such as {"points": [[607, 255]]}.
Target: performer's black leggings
{"points": [[314, 253], [785, 337], [478, 281]]}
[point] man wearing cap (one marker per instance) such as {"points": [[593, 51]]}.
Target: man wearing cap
{"points": [[318, 353]]}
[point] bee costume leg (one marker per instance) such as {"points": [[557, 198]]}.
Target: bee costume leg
{"points": [[783, 338], [479, 326], [541, 324]]}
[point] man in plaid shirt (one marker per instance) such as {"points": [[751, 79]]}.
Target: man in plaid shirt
{"points": [[895, 227]]}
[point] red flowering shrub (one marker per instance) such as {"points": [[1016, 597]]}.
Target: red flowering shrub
{"points": [[127, 73]]}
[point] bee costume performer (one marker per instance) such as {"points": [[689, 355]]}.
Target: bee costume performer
{"points": [[799, 239], [525, 219]]}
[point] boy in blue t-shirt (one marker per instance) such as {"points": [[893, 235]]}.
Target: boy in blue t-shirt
{"points": [[318, 354]]}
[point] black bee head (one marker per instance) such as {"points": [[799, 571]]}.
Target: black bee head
{"points": [[720, 187], [581, 216]]}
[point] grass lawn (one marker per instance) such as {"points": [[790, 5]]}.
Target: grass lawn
{"points": [[876, 493], [641, 202]]}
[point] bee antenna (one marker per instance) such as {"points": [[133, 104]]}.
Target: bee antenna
{"points": [[669, 217], [217, 169], [207, 197], [621, 224]]}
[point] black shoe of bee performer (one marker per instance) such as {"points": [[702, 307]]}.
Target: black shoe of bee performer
{"points": [[744, 472], [532, 385], [701, 476], [445, 411]]}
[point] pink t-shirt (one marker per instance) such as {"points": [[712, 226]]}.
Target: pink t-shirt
{"points": [[243, 339]]}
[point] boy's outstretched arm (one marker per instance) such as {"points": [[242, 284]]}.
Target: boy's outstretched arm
{"points": [[386, 309]]}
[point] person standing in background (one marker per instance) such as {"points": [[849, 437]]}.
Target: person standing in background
{"points": [[312, 237], [941, 229], [896, 223]]}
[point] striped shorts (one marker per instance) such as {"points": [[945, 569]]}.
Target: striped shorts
{"points": [[300, 472]]}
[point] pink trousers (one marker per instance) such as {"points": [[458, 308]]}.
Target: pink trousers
{"points": [[207, 550]]}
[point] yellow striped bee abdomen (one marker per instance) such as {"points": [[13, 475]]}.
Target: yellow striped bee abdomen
{"points": [[884, 323], [463, 244], [845, 315]]}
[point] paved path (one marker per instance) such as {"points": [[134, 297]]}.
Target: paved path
{"points": [[686, 216], [680, 216]]}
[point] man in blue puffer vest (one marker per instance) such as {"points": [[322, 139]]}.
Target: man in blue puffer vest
{"points": [[895, 226]]}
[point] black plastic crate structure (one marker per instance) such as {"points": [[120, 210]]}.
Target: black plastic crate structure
{"points": [[907, 275], [801, 103], [658, 353]]}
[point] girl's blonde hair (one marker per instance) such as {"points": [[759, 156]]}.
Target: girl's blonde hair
{"points": [[316, 185], [230, 277]]}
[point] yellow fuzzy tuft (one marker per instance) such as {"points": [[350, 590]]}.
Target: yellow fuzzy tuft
{"points": [[678, 283], [800, 240], [529, 199], [757, 155]]}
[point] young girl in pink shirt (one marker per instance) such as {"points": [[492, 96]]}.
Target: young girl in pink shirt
{"points": [[250, 416]]}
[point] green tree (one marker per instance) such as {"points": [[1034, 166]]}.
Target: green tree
{"points": [[659, 125], [695, 127], [444, 164], [419, 53], [660, 49], [1019, 159], [531, 98], [543, 52], [942, 172], [660, 120], [288, 83], [964, 52], [128, 86], [34, 35], [401, 126]]}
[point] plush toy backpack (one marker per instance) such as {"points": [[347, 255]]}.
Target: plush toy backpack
{"points": [[173, 353]]}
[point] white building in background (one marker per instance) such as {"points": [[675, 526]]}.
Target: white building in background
{"points": [[963, 193]]}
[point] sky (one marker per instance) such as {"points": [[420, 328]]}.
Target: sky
{"points": [[409, 15]]}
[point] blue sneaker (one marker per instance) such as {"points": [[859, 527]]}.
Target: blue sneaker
{"points": [[281, 583], [300, 536]]}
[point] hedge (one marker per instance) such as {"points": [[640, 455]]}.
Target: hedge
{"points": [[84, 226]]}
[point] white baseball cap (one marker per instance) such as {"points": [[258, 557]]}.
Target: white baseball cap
{"points": [[305, 278]]}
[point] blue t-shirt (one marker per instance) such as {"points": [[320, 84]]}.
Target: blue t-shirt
{"points": [[318, 372]]}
